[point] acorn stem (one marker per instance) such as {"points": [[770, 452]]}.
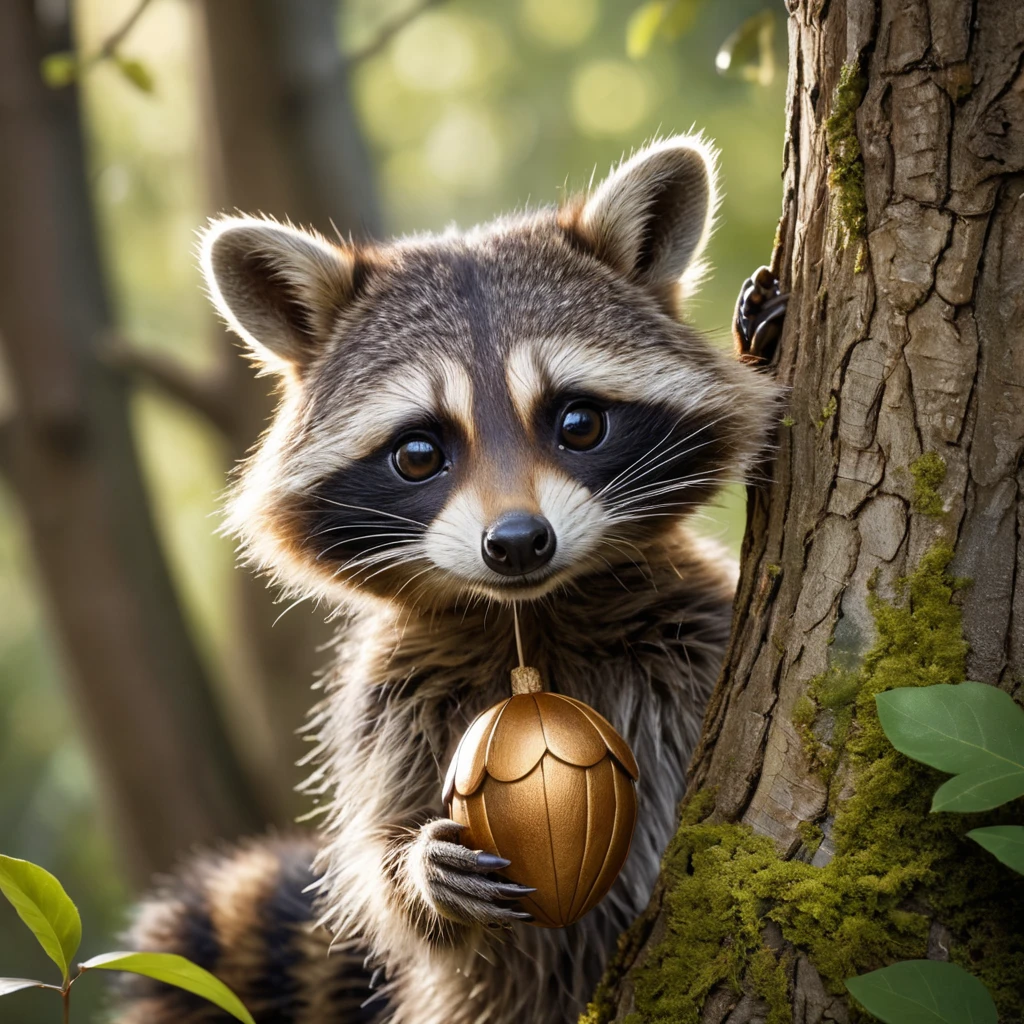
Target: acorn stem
{"points": [[526, 680], [519, 637]]}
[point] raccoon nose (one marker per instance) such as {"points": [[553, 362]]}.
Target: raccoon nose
{"points": [[518, 543]]}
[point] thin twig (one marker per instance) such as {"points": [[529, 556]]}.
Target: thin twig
{"points": [[388, 32], [204, 393], [118, 36]]}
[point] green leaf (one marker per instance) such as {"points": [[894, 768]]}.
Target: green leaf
{"points": [[679, 17], [971, 730], [668, 18], [1003, 841], [748, 53], [980, 790], [9, 985], [45, 907], [924, 992], [174, 970], [136, 72], [59, 69], [643, 26]]}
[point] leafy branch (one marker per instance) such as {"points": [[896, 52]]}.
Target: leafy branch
{"points": [[388, 31], [49, 913], [63, 68], [206, 393]]}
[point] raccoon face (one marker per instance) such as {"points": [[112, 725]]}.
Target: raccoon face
{"points": [[496, 413]]}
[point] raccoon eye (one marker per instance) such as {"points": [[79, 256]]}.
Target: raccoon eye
{"points": [[582, 428], [418, 458]]}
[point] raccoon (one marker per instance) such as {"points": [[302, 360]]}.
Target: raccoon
{"points": [[514, 417]]}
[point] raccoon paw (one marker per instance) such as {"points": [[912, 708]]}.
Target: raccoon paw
{"points": [[456, 881], [760, 313]]}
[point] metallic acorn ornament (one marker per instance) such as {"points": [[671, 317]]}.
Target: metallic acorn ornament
{"points": [[546, 782]]}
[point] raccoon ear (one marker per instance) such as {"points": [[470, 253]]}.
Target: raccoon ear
{"points": [[652, 216], [279, 289]]}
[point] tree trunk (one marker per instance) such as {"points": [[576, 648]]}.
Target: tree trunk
{"points": [[139, 687], [282, 139], [888, 550]]}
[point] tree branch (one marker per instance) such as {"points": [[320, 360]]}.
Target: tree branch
{"points": [[388, 32], [118, 36], [204, 393]]}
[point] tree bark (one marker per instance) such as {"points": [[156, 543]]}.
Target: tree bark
{"points": [[898, 473], [140, 690], [282, 139]]}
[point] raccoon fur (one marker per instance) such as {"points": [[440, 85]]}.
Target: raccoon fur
{"points": [[517, 415]]}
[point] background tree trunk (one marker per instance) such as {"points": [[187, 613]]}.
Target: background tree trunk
{"points": [[806, 853], [282, 139], [139, 688]]}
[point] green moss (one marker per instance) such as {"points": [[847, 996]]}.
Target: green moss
{"points": [[787, 421], [928, 472], [770, 978], [811, 834], [828, 412], [836, 688], [773, 570], [846, 176], [893, 860], [805, 711]]}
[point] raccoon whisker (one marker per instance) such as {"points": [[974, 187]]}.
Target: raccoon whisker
{"points": [[662, 515], [614, 574], [671, 483], [615, 537], [366, 558], [647, 574], [394, 540], [384, 559], [617, 482], [631, 511], [374, 511], [658, 466], [364, 523], [390, 564], [412, 578], [615, 479]]}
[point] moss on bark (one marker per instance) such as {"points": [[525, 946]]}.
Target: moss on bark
{"points": [[896, 867], [846, 176], [928, 472]]}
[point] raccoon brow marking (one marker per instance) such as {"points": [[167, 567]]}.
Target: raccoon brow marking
{"points": [[445, 389], [560, 363]]}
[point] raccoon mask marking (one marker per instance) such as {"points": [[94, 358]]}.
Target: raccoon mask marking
{"points": [[492, 414]]}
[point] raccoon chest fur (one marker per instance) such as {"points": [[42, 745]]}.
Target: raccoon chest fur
{"points": [[642, 646]]}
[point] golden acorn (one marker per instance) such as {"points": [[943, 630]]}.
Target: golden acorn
{"points": [[546, 782]]}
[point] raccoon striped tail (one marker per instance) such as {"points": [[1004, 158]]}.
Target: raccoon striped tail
{"points": [[244, 915]]}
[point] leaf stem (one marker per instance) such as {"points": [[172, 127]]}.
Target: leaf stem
{"points": [[65, 995]]}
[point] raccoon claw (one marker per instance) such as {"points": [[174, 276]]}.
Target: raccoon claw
{"points": [[760, 313], [489, 862], [377, 977], [455, 879]]}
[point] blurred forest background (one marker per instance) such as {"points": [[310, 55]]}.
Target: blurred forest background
{"points": [[150, 706]]}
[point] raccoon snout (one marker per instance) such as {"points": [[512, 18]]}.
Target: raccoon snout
{"points": [[518, 543]]}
